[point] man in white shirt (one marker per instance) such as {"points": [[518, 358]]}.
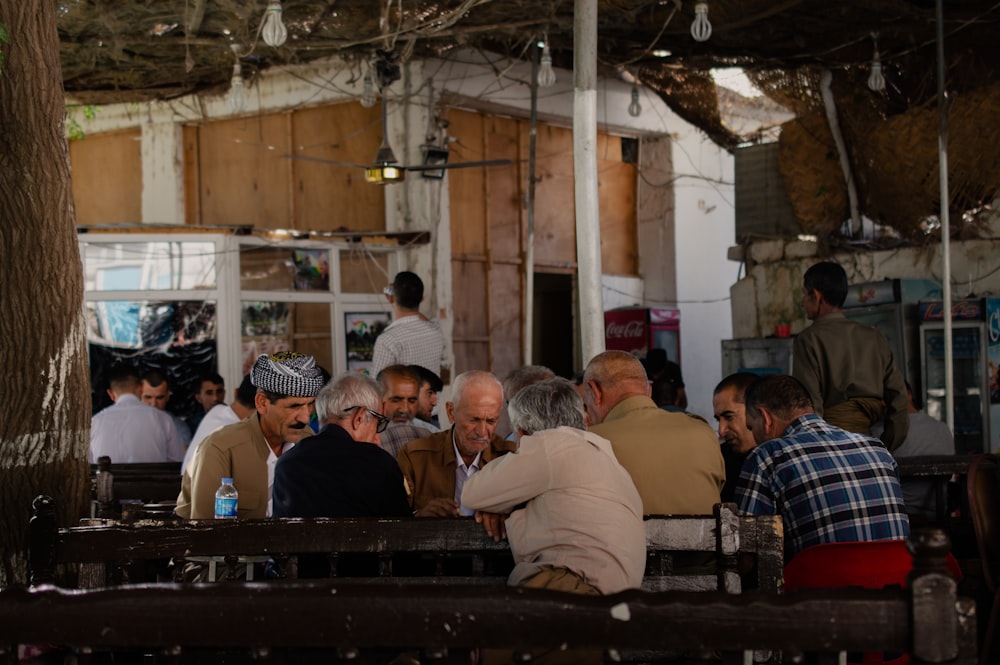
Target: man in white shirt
{"points": [[410, 339], [129, 431], [221, 415], [156, 392]]}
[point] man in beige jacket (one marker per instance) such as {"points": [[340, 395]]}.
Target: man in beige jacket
{"points": [[673, 458]]}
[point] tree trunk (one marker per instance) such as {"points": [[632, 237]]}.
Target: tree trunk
{"points": [[44, 428]]}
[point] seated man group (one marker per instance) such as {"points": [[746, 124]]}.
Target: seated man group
{"points": [[571, 499]]}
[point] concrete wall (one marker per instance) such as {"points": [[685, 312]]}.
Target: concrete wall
{"points": [[771, 292]]}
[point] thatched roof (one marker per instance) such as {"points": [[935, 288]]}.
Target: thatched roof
{"points": [[115, 50]]}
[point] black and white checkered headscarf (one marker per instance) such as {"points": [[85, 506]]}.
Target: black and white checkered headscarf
{"points": [[287, 373]]}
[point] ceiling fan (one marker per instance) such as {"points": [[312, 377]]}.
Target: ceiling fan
{"points": [[385, 169]]}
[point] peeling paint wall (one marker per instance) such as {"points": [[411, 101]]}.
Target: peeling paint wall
{"points": [[771, 292]]}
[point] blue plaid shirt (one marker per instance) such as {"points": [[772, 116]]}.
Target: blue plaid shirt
{"points": [[828, 485]]}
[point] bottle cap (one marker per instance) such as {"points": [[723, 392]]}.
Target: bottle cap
{"points": [[227, 480]]}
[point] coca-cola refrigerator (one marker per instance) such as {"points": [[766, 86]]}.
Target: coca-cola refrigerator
{"points": [[639, 329]]}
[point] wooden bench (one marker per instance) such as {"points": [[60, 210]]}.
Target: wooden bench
{"points": [[115, 552], [288, 621], [144, 487]]}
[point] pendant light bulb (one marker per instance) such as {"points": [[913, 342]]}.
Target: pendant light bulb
{"points": [[237, 97], [701, 29], [635, 108], [274, 32], [876, 80], [546, 75], [368, 96]]}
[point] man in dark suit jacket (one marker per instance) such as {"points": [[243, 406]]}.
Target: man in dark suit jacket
{"points": [[339, 472]]}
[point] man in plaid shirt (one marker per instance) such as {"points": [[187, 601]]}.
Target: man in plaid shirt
{"points": [[828, 485]]}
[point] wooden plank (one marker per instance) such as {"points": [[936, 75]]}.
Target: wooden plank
{"points": [[506, 296], [331, 196], [555, 210], [242, 175], [192, 175], [107, 177], [330, 614], [469, 283], [618, 214], [466, 186]]}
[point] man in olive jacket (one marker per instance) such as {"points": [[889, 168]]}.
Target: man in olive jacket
{"points": [[436, 467]]}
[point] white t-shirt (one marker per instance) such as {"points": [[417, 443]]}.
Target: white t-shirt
{"points": [[131, 432]]}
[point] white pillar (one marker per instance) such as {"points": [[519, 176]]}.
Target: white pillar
{"points": [[162, 172], [588, 223]]}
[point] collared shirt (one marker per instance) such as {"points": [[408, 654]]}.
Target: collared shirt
{"points": [[131, 432], [462, 473], [409, 340], [397, 435], [272, 460], [827, 484]]}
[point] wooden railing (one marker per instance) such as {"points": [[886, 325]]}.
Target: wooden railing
{"points": [[261, 621], [114, 552]]}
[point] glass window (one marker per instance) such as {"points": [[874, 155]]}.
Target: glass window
{"points": [[133, 266], [284, 269], [270, 326]]}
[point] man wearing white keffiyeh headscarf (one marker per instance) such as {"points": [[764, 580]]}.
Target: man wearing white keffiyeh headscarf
{"points": [[287, 384]]}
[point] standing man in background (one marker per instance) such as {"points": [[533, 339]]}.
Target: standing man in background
{"points": [[847, 367], [410, 339]]}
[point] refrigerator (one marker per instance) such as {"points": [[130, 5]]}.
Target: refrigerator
{"points": [[892, 306], [636, 330], [975, 356]]}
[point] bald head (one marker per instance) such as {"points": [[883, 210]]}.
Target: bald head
{"points": [[610, 378]]}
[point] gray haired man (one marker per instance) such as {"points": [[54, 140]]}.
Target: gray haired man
{"points": [[573, 515]]}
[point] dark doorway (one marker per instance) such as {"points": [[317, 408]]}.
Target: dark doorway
{"points": [[554, 336]]}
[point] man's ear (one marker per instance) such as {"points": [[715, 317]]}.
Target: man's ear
{"points": [[768, 418], [596, 391], [358, 419], [449, 408], [111, 394], [259, 401]]}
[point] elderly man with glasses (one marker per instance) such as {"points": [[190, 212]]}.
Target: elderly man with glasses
{"points": [[342, 471]]}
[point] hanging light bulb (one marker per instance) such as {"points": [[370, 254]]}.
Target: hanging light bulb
{"points": [[237, 97], [368, 93], [546, 76], [635, 108], [876, 80], [701, 29], [274, 31]]}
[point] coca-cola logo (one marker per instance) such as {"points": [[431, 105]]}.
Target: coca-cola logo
{"points": [[624, 330]]}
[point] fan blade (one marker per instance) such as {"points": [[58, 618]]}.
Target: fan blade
{"points": [[458, 165], [321, 160]]}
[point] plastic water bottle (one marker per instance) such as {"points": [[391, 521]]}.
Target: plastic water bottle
{"points": [[226, 498]]}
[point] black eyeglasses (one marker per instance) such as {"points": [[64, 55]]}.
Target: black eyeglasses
{"points": [[383, 421]]}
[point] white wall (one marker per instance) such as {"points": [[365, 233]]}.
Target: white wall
{"points": [[705, 226]]}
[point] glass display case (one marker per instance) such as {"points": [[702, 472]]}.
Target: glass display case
{"points": [[974, 419]]}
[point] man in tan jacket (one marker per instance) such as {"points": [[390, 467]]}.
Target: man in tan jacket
{"points": [[673, 458], [247, 451]]}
